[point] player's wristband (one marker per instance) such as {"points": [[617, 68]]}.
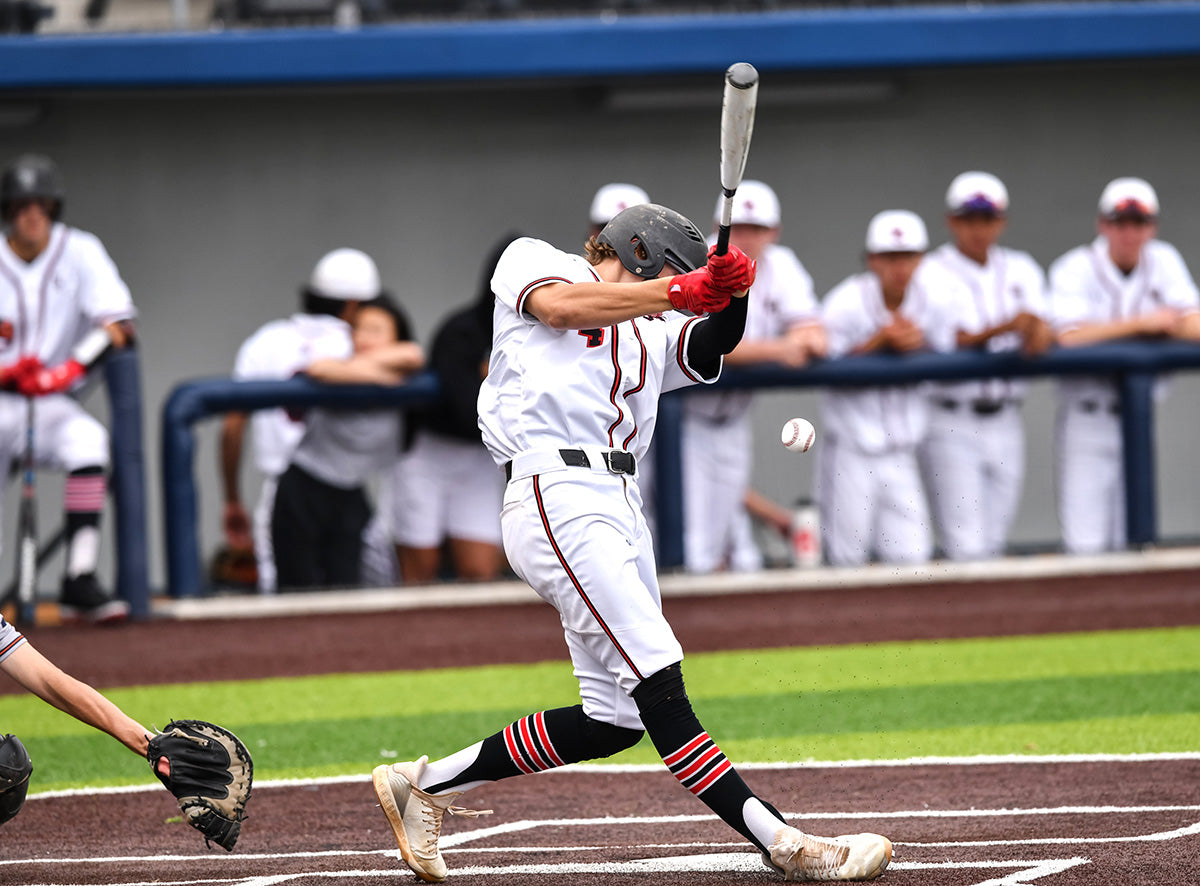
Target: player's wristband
{"points": [[92, 347]]}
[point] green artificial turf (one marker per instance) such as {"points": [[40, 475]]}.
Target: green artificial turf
{"points": [[1106, 692]]}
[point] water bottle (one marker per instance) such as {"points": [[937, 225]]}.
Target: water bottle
{"points": [[806, 535]]}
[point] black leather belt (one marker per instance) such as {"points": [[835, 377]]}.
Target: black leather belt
{"points": [[616, 460], [979, 407], [1096, 406]]}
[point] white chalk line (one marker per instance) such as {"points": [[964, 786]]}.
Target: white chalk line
{"points": [[637, 768]]}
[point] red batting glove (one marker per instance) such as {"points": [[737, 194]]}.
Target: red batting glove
{"points": [[733, 271], [694, 292], [51, 381], [12, 377]]}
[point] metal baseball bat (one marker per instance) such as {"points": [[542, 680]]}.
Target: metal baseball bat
{"points": [[737, 125], [27, 545]]}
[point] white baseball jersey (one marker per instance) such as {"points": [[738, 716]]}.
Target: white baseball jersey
{"points": [[10, 639], [279, 350], [881, 418], [868, 484], [71, 288], [718, 438], [577, 535], [1086, 287], [1010, 283], [593, 386], [973, 456]]}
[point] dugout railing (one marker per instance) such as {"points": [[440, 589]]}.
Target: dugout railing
{"points": [[1133, 364]]}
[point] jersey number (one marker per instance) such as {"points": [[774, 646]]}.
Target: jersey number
{"points": [[595, 337]]}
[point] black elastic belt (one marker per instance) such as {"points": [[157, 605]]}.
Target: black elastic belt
{"points": [[616, 460], [979, 407]]}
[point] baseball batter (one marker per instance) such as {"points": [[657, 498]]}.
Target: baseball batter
{"points": [[282, 348], [1124, 283], [973, 457], [67, 306], [782, 326], [868, 484], [582, 348]]}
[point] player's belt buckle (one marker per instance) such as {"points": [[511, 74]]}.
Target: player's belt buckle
{"points": [[620, 462]]}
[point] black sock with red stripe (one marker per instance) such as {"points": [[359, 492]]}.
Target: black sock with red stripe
{"points": [[694, 758], [541, 741]]}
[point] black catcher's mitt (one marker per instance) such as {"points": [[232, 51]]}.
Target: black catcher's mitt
{"points": [[211, 771]]}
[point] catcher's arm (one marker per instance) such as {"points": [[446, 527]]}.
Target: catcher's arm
{"points": [[47, 681]]}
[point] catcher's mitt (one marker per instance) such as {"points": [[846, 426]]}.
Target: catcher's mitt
{"points": [[211, 771]]}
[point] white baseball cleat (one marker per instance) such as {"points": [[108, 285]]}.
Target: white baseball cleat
{"points": [[415, 816], [800, 856]]}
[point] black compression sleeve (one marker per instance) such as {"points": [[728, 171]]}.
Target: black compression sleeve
{"points": [[715, 335]]}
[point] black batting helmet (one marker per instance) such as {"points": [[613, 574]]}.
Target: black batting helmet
{"points": [[31, 175], [15, 769], [663, 236]]}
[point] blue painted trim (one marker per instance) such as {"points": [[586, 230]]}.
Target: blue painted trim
{"points": [[793, 40]]}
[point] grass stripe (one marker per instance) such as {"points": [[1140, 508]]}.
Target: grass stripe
{"points": [[1116, 692]]}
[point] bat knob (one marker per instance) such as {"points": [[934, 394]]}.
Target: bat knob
{"points": [[741, 75]]}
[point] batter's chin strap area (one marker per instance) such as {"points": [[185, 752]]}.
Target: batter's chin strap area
{"points": [[15, 769]]}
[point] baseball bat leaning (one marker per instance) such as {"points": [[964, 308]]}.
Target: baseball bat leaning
{"points": [[737, 124], [27, 546]]}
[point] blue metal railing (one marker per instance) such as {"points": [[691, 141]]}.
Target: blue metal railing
{"points": [[1133, 364]]}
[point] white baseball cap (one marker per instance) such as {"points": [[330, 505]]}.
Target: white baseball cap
{"points": [[897, 230], [1128, 197], [753, 204], [614, 198], [346, 274], [977, 192]]}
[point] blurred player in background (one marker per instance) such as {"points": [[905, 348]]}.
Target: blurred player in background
{"points": [[611, 199], [67, 306], [868, 484], [1124, 283], [582, 349], [446, 489], [341, 280], [782, 326], [973, 457], [321, 507]]}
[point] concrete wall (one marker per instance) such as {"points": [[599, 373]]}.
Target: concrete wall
{"points": [[216, 205]]}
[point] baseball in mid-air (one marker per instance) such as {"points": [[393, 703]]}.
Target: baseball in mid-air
{"points": [[798, 435]]}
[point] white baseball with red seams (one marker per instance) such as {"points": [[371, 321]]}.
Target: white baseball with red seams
{"points": [[798, 435]]}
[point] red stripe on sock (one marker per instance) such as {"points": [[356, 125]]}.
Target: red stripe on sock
{"points": [[702, 786], [539, 762], [673, 758], [514, 753], [539, 723]]}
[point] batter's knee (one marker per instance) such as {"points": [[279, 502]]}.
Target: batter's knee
{"points": [[607, 739], [660, 687]]}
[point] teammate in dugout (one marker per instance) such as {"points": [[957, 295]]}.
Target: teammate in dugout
{"points": [[973, 456], [1124, 283], [868, 484], [583, 347], [68, 307], [340, 281]]}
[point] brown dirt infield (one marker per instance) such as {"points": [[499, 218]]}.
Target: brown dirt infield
{"points": [[1045, 823]]}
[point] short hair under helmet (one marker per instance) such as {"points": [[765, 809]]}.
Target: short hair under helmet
{"points": [[31, 176], [15, 769], [663, 235]]}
